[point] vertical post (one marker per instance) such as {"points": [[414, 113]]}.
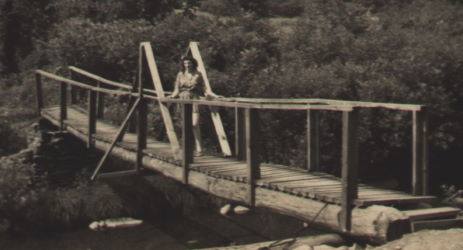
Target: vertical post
{"points": [[142, 117], [63, 104], [240, 142], [349, 166], [73, 90], [100, 105], [252, 151], [38, 85], [141, 132], [187, 138], [313, 140], [91, 118], [420, 171]]}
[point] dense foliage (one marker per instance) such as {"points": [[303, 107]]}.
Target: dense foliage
{"points": [[385, 51]]}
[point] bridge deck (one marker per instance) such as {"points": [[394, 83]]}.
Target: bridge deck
{"points": [[318, 186]]}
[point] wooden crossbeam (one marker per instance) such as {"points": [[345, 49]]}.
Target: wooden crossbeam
{"points": [[147, 52], [220, 131]]}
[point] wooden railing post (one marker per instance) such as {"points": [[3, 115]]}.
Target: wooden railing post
{"points": [[252, 151], [73, 90], [142, 118], [38, 86], [187, 139], [349, 166], [100, 105], [141, 131], [240, 142], [63, 104], [313, 140], [420, 171], [91, 118]]}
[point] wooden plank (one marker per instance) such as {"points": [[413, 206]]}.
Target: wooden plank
{"points": [[432, 213], [349, 165], [437, 224], [394, 200], [118, 174], [145, 49], [240, 140], [91, 118], [187, 137], [39, 96], [63, 104], [142, 130], [100, 102], [419, 153], [220, 131], [313, 140], [252, 151]]}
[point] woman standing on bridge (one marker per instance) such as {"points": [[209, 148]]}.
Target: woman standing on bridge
{"points": [[190, 85]]}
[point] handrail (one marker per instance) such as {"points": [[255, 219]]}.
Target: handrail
{"points": [[241, 102], [109, 82], [233, 104], [360, 104], [84, 85], [99, 78]]}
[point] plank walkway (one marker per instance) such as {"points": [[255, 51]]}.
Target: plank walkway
{"points": [[314, 185]]}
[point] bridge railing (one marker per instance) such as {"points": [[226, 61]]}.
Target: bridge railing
{"points": [[247, 130]]}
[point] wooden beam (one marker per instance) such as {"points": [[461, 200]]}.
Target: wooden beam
{"points": [[113, 143], [147, 51], [100, 101], [73, 89], [91, 118], [349, 166], [187, 138], [218, 125], [240, 138], [142, 130], [437, 224], [432, 213], [313, 140], [420, 169], [63, 103], [252, 152], [39, 96]]}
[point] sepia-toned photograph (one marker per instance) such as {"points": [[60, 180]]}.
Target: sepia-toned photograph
{"points": [[231, 124]]}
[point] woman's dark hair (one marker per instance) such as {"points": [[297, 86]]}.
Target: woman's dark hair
{"points": [[188, 58]]}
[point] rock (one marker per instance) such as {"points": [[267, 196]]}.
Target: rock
{"points": [[226, 209], [240, 210]]}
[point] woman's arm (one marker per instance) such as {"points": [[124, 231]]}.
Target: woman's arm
{"points": [[207, 91]]}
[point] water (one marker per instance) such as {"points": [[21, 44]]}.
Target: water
{"points": [[146, 236]]}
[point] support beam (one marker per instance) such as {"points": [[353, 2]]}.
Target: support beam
{"points": [[420, 171], [313, 140], [38, 86], [100, 102], [113, 143], [142, 131], [73, 89], [252, 152], [91, 118], [63, 104], [240, 139], [218, 125], [147, 52], [349, 166], [187, 140]]}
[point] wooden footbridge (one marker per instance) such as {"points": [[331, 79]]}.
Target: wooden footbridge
{"points": [[341, 204]]}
